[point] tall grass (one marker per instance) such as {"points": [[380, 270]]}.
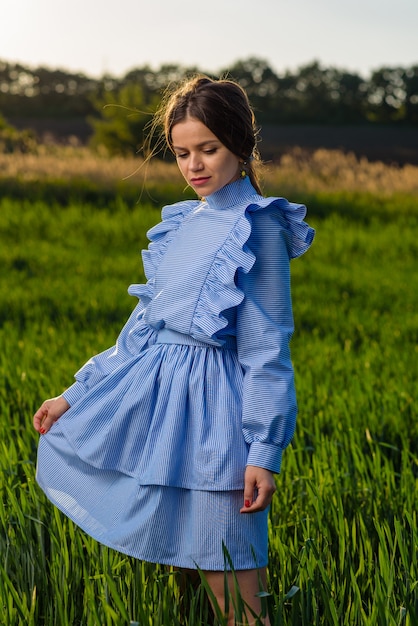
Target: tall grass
{"points": [[343, 525], [322, 170], [68, 174]]}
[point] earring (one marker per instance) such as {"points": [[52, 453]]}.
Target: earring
{"points": [[243, 173]]}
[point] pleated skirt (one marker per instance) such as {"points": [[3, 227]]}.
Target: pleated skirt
{"points": [[170, 524]]}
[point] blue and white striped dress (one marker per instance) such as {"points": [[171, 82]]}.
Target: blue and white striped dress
{"points": [[150, 457]]}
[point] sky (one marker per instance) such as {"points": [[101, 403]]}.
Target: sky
{"points": [[114, 36]]}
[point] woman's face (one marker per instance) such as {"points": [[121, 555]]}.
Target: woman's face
{"points": [[206, 164]]}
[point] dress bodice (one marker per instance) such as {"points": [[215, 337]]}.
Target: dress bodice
{"points": [[196, 253]]}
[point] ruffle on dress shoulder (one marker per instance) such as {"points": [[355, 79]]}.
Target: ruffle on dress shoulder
{"points": [[160, 237], [161, 234], [220, 291], [291, 217]]}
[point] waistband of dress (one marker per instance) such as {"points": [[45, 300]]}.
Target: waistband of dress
{"points": [[166, 335]]}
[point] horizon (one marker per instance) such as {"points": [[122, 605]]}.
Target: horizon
{"points": [[359, 38]]}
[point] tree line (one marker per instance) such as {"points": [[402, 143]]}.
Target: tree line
{"points": [[312, 94]]}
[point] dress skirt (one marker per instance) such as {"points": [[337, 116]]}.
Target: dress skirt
{"points": [[178, 504]]}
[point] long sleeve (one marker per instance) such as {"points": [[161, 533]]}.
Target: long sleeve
{"points": [[264, 330], [133, 337], [136, 335]]}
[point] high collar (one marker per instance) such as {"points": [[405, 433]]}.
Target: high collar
{"points": [[233, 194]]}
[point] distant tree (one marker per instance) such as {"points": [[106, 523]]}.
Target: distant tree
{"points": [[386, 95], [124, 108], [350, 93], [312, 98], [312, 94], [146, 78], [156, 81], [122, 116], [321, 95], [43, 92], [13, 140], [260, 82], [410, 78]]}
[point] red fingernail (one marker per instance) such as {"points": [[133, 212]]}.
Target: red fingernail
{"points": [[247, 504], [42, 431]]}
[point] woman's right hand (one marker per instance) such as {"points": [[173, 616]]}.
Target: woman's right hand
{"points": [[48, 413]]}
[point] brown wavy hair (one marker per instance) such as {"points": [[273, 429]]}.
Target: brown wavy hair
{"points": [[221, 105]]}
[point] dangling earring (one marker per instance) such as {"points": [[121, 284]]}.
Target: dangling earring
{"points": [[243, 173]]}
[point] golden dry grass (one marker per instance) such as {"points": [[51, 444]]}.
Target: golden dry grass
{"points": [[333, 170], [67, 163], [323, 170]]}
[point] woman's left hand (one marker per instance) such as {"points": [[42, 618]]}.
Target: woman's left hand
{"points": [[258, 482]]}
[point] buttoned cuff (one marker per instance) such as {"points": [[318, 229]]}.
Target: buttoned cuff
{"points": [[266, 455]]}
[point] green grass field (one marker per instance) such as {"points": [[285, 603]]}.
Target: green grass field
{"points": [[343, 526]]}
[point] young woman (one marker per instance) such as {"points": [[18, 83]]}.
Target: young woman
{"points": [[166, 446]]}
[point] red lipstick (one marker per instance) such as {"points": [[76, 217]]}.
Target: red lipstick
{"points": [[199, 181]]}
